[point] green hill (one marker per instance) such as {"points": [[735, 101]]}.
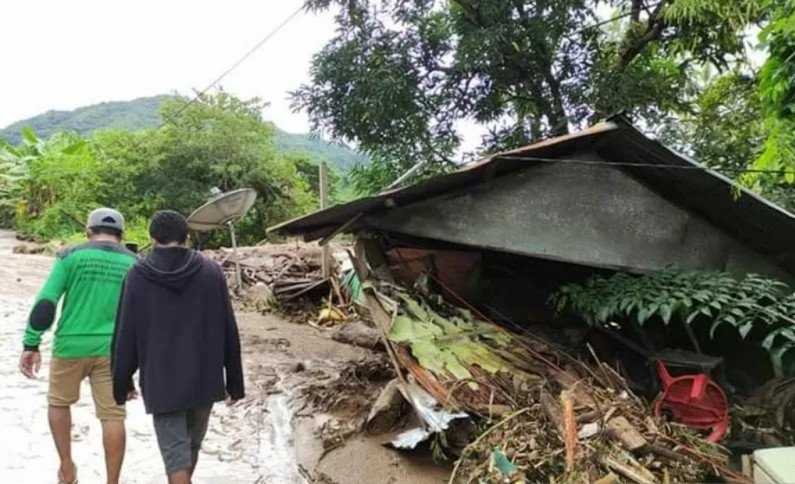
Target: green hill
{"points": [[337, 155], [143, 113], [136, 114]]}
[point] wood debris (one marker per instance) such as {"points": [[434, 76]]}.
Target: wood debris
{"points": [[768, 416], [544, 395], [289, 271]]}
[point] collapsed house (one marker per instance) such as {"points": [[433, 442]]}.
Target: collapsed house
{"points": [[501, 235], [507, 231], [606, 197]]}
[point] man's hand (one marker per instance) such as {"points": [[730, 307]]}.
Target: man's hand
{"points": [[132, 395], [30, 363]]}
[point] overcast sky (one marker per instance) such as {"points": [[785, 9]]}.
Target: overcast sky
{"points": [[65, 54], [60, 54]]}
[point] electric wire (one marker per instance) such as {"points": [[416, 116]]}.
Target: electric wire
{"points": [[572, 161], [235, 65]]}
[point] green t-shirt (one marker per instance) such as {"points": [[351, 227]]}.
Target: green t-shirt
{"points": [[89, 277]]}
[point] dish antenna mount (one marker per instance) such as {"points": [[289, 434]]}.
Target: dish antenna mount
{"points": [[222, 211]]}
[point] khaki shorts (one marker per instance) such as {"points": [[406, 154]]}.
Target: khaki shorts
{"points": [[66, 374]]}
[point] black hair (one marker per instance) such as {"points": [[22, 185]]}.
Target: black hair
{"points": [[168, 226], [105, 230]]}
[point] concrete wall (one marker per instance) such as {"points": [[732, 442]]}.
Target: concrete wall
{"points": [[593, 215]]}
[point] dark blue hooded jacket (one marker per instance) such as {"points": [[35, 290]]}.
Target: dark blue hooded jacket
{"points": [[175, 324]]}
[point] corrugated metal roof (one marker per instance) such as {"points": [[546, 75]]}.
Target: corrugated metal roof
{"points": [[313, 224], [748, 217]]}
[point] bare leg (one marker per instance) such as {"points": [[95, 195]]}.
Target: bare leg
{"points": [[114, 440], [179, 477], [61, 428]]}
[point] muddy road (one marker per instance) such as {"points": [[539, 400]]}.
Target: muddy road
{"points": [[272, 436]]}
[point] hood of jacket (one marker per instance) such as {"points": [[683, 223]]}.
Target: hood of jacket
{"points": [[171, 267]]}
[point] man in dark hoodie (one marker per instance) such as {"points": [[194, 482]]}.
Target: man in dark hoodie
{"points": [[175, 325]]}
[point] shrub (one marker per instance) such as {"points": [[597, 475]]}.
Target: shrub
{"points": [[754, 305]]}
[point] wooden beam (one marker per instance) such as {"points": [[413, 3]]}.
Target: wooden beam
{"points": [[342, 228], [326, 263]]}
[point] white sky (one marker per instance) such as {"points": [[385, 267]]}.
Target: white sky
{"points": [[60, 54]]}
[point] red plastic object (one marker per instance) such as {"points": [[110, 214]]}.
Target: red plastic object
{"points": [[694, 400]]}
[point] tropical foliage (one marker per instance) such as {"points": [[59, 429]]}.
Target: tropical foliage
{"points": [[758, 307], [58, 177], [217, 141], [13, 170], [724, 129], [777, 91], [144, 113], [399, 78]]}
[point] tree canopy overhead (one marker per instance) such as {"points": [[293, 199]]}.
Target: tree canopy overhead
{"points": [[777, 91], [400, 76]]}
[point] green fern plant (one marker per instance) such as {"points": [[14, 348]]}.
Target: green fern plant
{"points": [[751, 303]]}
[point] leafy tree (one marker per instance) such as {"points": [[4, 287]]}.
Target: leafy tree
{"points": [[727, 132], [777, 92], [144, 113], [216, 141], [724, 129], [125, 156], [55, 179], [400, 76], [13, 170], [308, 169]]}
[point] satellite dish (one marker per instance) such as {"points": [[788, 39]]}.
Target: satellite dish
{"points": [[222, 211]]}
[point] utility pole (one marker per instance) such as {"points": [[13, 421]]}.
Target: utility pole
{"points": [[324, 204]]}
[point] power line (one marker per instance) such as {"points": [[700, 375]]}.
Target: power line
{"points": [[236, 64], [640, 165]]}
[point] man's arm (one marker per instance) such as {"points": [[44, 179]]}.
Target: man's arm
{"points": [[232, 360], [42, 315], [124, 346]]}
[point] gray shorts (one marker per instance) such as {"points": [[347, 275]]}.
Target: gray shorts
{"points": [[180, 435]]}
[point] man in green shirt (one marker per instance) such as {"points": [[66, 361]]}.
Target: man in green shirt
{"points": [[89, 277]]}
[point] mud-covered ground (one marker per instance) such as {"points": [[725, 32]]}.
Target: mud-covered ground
{"points": [[279, 434]]}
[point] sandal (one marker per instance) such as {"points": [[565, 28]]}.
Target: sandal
{"points": [[61, 480]]}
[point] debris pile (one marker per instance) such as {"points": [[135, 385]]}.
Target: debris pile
{"points": [[348, 390], [280, 273], [544, 415], [346, 397], [29, 248], [768, 416]]}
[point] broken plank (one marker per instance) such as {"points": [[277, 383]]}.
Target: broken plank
{"points": [[623, 431], [626, 470], [303, 291]]}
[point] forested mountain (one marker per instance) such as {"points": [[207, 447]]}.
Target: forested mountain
{"points": [[132, 115], [144, 113], [339, 156]]}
